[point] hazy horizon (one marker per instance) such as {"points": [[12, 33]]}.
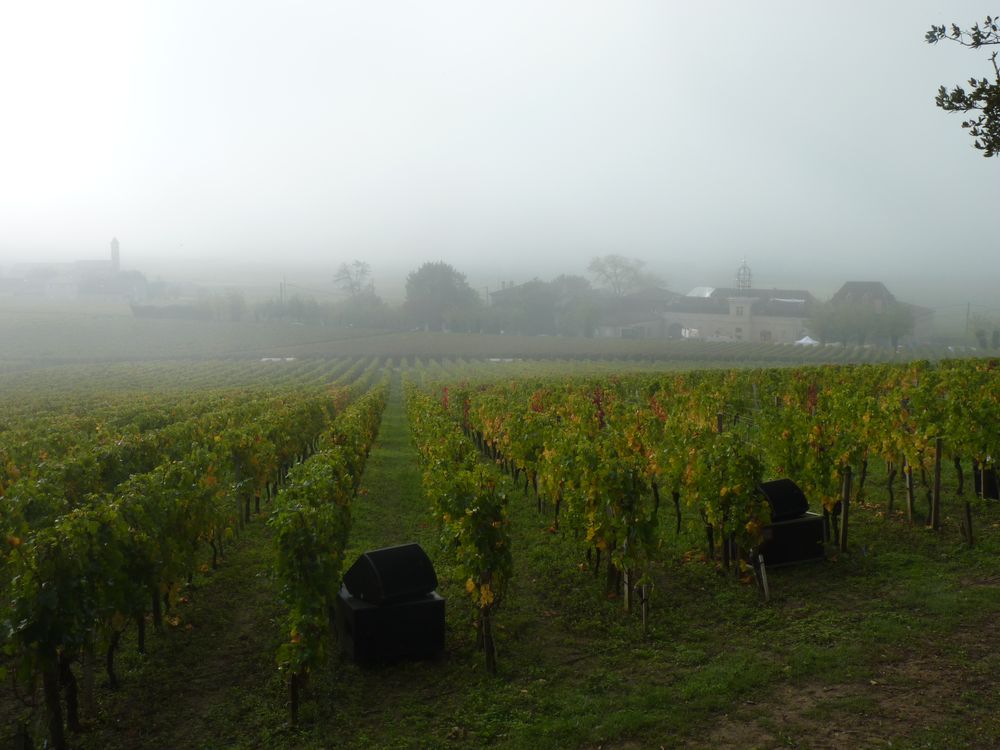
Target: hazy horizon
{"points": [[257, 140], [948, 298]]}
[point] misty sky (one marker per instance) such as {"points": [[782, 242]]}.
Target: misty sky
{"points": [[511, 139]]}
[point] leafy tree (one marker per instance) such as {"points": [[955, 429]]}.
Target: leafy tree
{"points": [[528, 309], [366, 309], [576, 309], [620, 274], [351, 277], [981, 326], [861, 323], [983, 95], [439, 298], [563, 306]]}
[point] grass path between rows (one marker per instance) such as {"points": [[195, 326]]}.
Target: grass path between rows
{"points": [[390, 508], [396, 705]]}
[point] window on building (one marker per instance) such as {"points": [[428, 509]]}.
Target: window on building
{"points": [[765, 337], [739, 334], [739, 311]]}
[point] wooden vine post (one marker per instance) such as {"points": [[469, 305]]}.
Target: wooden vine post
{"points": [[935, 519], [968, 522], [238, 476], [489, 643], [845, 506], [890, 469], [908, 477], [53, 703], [88, 658], [294, 687], [709, 529], [644, 593], [968, 506]]}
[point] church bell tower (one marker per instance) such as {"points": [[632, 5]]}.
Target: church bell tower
{"points": [[743, 276]]}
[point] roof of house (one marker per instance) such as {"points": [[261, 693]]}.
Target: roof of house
{"points": [[701, 291], [507, 292], [700, 305], [763, 305], [651, 294], [768, 294], [862, 291]]}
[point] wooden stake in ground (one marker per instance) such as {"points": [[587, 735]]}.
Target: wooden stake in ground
{"points": [[910, 505], [489, 644], [644, 593], [53, 702], [845, 505], [890, 470], [763, 578], [935, 519], [709, 529], [294, 681]]}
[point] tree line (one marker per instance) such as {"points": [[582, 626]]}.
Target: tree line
{"points": [[440, 298]]}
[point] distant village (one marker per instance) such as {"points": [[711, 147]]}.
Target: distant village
{"points": [[859, 312], [744, 313], [75, 280]]}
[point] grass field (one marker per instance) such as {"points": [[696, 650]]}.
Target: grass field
{"points": [[893, 644]]}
